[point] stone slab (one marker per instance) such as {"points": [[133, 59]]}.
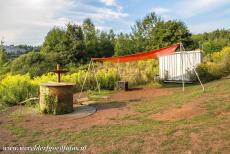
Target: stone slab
{"points": [[80, 100], [81, 111], [88, 102]]}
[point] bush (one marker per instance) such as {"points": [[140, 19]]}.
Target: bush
{"points": [[226, 65], [209, 71], [216, 68], [14, 89], [34, 63]]}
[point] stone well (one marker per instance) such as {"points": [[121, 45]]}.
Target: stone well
{"points": [[56, 97]]}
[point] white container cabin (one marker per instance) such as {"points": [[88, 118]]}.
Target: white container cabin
{"points": [[171, 68]]}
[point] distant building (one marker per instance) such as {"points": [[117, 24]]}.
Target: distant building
{"points": [[14, 49]]}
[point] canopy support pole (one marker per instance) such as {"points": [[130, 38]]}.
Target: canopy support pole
{"points": [[197, 75], [95, 75], [86, 76], [118, 68], [182, 66]]}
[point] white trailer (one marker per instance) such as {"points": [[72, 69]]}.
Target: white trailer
{"points": [[171, 68]]}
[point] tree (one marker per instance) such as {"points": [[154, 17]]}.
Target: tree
{"points": [[170, 32], [141, 31], [54, 41], [105, 44], [69, 43], [90, 37], [74, 43], [35, 63], [3, 55], [210, 47], [212, 41], [123, 45], [152, 33]]}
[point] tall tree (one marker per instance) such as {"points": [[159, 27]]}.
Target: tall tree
{"points": [[106, 44], [123, 45], [170, 32], [74, 42], [54, 41], [90, 37], [141, 31]]}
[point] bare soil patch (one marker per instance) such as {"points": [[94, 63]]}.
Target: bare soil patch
{"points": [[184, 112], [139, 93]]}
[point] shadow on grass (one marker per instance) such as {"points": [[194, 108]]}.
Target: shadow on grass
{"points": [[109, 105], [135, 89], [178, 85]]}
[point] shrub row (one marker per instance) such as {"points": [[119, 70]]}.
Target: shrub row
{"points": [[216, 67], [16, 88]]}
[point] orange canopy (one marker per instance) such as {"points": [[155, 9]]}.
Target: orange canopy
{"points": [[141, 56]]}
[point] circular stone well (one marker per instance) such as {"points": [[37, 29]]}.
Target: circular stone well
{"points": [[56, 97]]}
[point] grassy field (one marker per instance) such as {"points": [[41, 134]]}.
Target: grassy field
{"points": [[203, 128]]}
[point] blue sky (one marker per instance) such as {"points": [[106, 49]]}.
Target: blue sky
{"points": [[28, 21]]}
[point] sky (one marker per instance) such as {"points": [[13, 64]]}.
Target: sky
{"points": [[28, 21]]}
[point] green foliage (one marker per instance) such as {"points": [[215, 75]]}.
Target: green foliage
{"points": [[209, 71], [74, 44], [108, 79], [54, 41], [35, 63], [123, 45], [90, 37], [78, 44], [153, 33], [106, 43], [217, 68], [142, 30], [211, 47], [51, 104], [212, 41], [170, 32], [3, 55], [14, 89]]}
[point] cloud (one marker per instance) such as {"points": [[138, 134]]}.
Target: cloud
{"points": [[189, 9], [24, 21], [112, 3], [28, 21], [185, 9], [160, 10], [109, 2], [208, 26]]}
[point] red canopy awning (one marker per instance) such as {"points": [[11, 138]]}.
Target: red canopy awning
{"points": [[140, 56]]}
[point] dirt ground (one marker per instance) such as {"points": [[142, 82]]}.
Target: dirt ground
{"points": [[185, 112], [137, 94], [111, 108]]}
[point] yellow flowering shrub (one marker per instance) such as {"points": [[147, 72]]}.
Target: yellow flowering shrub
{"points": [[16, 88]]}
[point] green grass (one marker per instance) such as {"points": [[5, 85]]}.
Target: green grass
{"points": [[149, 135], [18, 131]]}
